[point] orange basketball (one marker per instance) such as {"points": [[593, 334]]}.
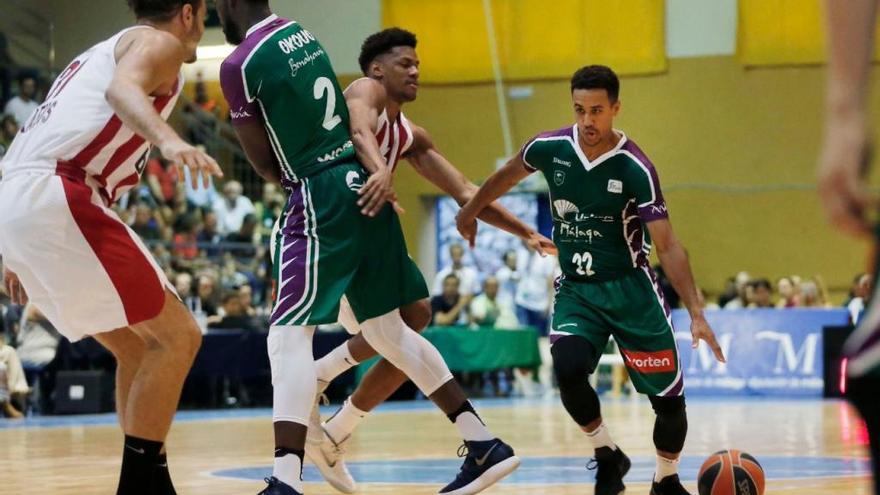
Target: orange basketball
{"points": [[731, 472]]}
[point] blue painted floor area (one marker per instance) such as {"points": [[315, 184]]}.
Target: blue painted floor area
{"points": [[562, 470]]}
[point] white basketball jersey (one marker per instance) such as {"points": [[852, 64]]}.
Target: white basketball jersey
{"points": [[75, 132]]}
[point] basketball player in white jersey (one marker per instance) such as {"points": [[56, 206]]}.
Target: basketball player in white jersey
{"points": [[65, 249], [846, 197], [381, 132]]}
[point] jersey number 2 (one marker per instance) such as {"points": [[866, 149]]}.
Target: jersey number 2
{"points": [[581, 259], [324, 86]]}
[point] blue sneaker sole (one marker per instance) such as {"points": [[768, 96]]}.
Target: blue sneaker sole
{"points": [[492, 475]]}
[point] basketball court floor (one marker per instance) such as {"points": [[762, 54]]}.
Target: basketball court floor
{"points": [[805, 446]]}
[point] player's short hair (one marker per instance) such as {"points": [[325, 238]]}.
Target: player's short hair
{"points": [[597, 77], [383, 42], [160, 10]]}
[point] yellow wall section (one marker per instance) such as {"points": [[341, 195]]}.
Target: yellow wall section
{"points": [[454, 44], [706, 121], [783, 32]]}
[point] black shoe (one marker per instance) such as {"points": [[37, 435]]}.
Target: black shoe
{"points": [[669, 485], [278, 487], [611, 466], [484, 465]]}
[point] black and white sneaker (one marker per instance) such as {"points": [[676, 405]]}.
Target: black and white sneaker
{"points": [[484, 465], [669, 485], [278, 487], [611, 465]]}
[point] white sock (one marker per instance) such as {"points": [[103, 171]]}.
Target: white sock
{"points": [[289, 470], [334, 364], [471, 428], [600, 437], [342, 424], [665, 467]]}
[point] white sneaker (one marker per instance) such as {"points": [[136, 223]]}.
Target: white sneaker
{"points": [[329, 457], [315, 433]]}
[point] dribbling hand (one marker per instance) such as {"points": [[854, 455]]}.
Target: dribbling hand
{"points": [[186, 155], [700, 330]]}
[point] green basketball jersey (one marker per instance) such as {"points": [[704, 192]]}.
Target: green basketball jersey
{"points": [[599, 208], [281, 76]]}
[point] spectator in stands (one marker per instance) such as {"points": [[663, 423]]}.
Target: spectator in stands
{"points": [[490, 310], [533, 294], [269, 208], [450, 306], [13, 385], [467, 276], [7, 67], [231, 278], [246, 293], [208, 237], [234, 316], [8, 130], [762, 294], [162, 178], [207, 294], [179, 209], [37, 339], [232, 208], [23, 105], [508, 276], [245, 240], [858, 295], [729, 293], [147, 223], [743, 290], [789, 296], [813, 294], [185, 244]]}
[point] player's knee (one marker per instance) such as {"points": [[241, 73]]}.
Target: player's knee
{"points": [[417, 315], [572, 356], [670, 429]]}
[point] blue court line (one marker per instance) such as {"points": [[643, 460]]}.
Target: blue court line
{"points": [[562, 470], [109, 419]]}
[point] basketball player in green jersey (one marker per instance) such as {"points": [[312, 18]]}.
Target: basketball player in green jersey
{"points": [[390, 63], [607, 207], [338, 236], [844, 190]]}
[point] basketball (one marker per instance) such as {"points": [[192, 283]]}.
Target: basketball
{"points": [[731, 472]]}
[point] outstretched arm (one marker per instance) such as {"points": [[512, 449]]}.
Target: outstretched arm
{"points": [[148, 62], [365, 99], [432, 165], [674, 260], [845, 154], [503, 180]]}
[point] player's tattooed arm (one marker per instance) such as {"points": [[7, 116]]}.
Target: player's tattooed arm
{"points": [[366, 98], [845, 153], [675, 263], [148, 64], [427, 160], [255, 142], [503, 180]]}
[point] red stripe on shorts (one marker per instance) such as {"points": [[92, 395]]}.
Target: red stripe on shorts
{"points": [[132, 275]]}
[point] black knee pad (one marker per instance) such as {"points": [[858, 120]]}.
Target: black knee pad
{"points": [[572, 359], [671, 426]]}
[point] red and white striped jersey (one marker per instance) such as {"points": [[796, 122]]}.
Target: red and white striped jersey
{"points": [[76, 133], [394, 138]]}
